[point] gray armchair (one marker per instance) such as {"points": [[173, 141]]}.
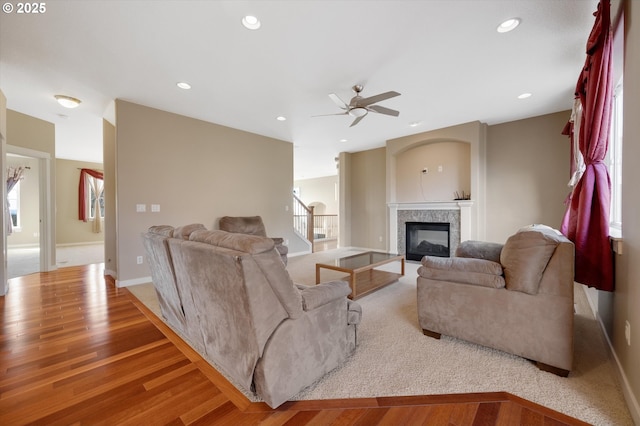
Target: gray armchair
{"points": [[252, 225], [516, 297], [232, 297]]}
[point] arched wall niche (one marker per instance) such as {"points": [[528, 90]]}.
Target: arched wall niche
{"points": [[472, 135], [433, 170]]}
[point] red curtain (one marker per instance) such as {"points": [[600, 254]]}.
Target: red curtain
{"points": [[82, 191], [586, 221]]}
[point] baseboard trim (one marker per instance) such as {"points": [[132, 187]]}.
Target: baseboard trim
{"points": [[629, 397], [136, 281], [88, 243]]}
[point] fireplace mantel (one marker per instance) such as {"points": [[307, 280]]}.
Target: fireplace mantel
{"points": [[462, 208]]}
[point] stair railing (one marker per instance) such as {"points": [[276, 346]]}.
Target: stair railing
{"points": [[303, 219]]}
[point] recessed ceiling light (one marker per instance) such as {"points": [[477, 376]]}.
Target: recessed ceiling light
{"points": [[415, 123], [281, 118], [524, 96], [67, 101], [343, 140], [508, 25], [251, 22], [183, 85]]}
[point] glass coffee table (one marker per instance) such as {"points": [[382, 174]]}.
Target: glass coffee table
{"points": [[363, 277]]}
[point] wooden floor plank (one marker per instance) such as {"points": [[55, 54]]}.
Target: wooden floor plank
{"points": [[75, 349]]}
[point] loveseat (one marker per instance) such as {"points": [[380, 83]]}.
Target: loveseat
{"points": [[246, 315], [516, 297]]}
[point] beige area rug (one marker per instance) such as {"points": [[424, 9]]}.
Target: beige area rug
{"points": [[394, 358]]}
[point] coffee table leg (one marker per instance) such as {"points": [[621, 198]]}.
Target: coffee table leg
{"points": [[352, 282], [317, 274], [402, 266]]}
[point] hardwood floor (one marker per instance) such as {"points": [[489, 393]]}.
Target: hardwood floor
{"points": [[75, 349]]}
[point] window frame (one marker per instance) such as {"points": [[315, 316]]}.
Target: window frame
{"points": [[614, 158]]}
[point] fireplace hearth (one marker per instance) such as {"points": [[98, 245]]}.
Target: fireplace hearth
{"points": [[427, 239]]}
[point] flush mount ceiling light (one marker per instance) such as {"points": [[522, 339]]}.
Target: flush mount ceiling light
{"points": [[183, 85], [251, 22], [508, 25], [67, 101], [524, 96]]}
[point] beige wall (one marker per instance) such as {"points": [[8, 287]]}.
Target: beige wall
{"points": [[367, 196], [320, 190], [447, 165], [70, 230], [110, 228], [29, 232], [527, 174], [623, 305], [197, 172]]}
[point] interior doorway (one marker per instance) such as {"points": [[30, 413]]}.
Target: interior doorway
{"points": [[27, 245]]}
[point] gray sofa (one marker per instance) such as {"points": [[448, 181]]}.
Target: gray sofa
{"points": [[516, 297], [242, 310]]}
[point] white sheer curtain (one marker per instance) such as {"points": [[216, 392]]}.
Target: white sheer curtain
{"points": [[578, 159], [14, 175], [97, 188]]}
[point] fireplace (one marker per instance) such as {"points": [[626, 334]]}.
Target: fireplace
{"points": [[427, 239]]}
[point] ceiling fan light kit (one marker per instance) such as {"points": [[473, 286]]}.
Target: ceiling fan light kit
{"points": [[359, 107]]}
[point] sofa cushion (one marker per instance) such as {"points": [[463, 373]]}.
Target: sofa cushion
{"points": [[524, 258], [462, 270], [240, 242]]}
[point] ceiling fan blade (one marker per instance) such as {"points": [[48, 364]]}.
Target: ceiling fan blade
{"points": [[382, 110], [336, 99], [325, 115], [377, 98], [357, 120]]}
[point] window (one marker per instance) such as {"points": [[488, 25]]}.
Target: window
{"points": [[614, 159], [14, 206], [91, 199]]}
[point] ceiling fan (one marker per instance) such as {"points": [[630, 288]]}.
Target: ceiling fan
{"points": [[359, 107]]}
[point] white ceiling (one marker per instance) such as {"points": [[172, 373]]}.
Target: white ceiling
{"points": [[444, 57]]}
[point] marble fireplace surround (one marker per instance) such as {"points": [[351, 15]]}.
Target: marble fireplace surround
{"points": [[456, 213]]}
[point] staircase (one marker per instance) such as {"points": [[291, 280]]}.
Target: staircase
{"points": [[311, 226]]}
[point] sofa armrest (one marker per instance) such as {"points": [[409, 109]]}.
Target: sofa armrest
{"points": [[321, 294], [463, 270]]}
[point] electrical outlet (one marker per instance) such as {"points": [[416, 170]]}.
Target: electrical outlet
{"points": [[140, 259], [627, 332]]}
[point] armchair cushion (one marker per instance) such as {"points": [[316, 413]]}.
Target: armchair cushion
{"points": [[462, 270], [480, 250], [318, 295], [524, 258]]}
